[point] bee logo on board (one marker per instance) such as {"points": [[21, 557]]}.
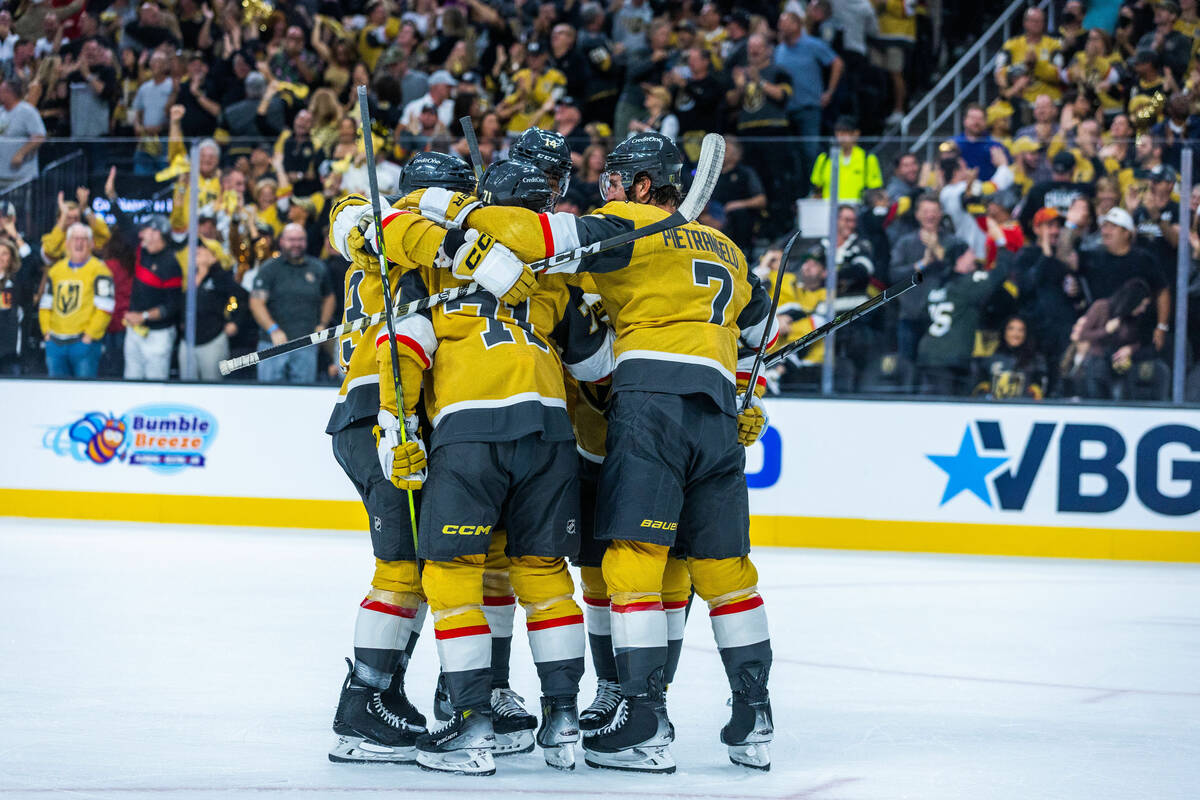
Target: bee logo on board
{"points": [[102, 436]]}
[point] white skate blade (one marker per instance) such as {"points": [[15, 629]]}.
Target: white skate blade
{"points": [[353, 750], [560, 757], [472, 761], [511, 744], [635, 759], [754, 755]]}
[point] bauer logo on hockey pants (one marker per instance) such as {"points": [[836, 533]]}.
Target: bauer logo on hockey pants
{"points": [[165, 438], [658, 523]]}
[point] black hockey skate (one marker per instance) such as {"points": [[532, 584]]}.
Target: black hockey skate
{"points": [[559, 731], [637, 739], [462, 745], [442, 708], [513, 725], [751, 728], [600, 712], [368, 731], [396, 701]]}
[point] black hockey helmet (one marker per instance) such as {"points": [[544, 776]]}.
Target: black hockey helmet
{"points": [[548, 151], [514, 183], [425, 170], [650, 154]]}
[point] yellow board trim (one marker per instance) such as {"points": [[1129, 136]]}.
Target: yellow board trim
{"points": [[817, 532], [185, 509], [975, 538]]}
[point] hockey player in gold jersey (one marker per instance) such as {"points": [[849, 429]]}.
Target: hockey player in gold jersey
{"points": [[501, 441], [375, 722]]}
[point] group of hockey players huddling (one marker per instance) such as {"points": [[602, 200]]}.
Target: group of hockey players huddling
{"points": [[588, 413]]}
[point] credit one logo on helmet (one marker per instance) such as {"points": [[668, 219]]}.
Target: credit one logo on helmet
{"points": [[1086, 461], [164, 437]]}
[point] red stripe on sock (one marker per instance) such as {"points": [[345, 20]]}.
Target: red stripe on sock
{"points": [[388, 608], [733, 608], [575, 619], [470, 630], [674, 605], [599, 602], [651, 605], [499, 601], [547, 234]]}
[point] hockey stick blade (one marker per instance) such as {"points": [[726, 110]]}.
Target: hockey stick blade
{"points": [[250, 359], [708, 170], [843, 319]]}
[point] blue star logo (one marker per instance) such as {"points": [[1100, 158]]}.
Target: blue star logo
{"points": [[967, 470]]}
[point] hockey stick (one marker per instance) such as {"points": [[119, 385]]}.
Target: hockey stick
{"points": [[468, 129], [843, 319], [708, 170], [762, 345], [388, 314], [362, 323]]}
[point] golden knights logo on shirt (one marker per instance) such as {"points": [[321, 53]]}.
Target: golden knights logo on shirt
{"points": [[66, 296]]}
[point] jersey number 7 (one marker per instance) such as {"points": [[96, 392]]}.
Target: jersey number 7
{"points": [[704, 273]]}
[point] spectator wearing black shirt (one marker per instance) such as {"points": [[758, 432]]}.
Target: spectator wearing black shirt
{"points": [[699, 94], [1173, 48], [567, 59], [196, 92], [740, 194], [155, 301], [760, 95], [150, 29], [1016, 370], [1156, 217], [1058, 193], [604, 65], [220, 310], [300, 155], [11, 309], [1106, 270], [292, 296], [1047, 288]]}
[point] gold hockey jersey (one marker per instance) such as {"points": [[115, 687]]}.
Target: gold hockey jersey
{"points": [[683, 305], [495, 372]]}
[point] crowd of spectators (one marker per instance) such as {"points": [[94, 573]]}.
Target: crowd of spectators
{"points": [[1060, 194], [1048, 229]]}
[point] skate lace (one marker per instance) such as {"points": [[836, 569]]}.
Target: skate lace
{"points": [[384, 713], [507, 703], [622, 714], [608, 694]]}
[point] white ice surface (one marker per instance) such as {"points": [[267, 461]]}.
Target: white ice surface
{"points": [[205, 663]]}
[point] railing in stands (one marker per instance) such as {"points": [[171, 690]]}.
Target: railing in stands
{"points": [[958, 86], [36, 200]]}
